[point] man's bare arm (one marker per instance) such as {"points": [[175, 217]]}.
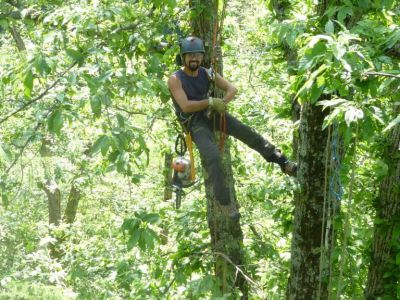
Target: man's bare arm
{"points": [[187, 106]]}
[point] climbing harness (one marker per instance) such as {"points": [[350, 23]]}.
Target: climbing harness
{"points": [[184, 169]]}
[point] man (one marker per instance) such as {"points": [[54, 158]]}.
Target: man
{"points": [[189, 87]]}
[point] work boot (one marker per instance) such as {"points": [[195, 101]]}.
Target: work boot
{"points": [[289, 168]]}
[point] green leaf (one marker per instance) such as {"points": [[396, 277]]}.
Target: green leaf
{"points": [[338, 50], [332, 103], [392, 124], [151, 218], [74, 54], [380, 169], [28, 83], [149, 237], [42, 66], [398, 259], [329, 27], [130, 224], [122, 162], [136, 178], [308, 84], [343, 12], [353, 114], [113, 156], [5, 154], [315, 92], [142, 241], [102, 143], [396, 233], [121, 120], [55, 122], [95, 104], [134, 238]]}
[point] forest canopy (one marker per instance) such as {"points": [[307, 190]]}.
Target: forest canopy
{"points": [[86, 121]]}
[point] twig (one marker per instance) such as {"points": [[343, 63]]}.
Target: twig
{"points": [[381, 74], [40, 123], [130, 112], [238, 269], [39, 96], [23, 148]]}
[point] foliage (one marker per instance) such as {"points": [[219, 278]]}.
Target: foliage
{"points": [[87, 103]]}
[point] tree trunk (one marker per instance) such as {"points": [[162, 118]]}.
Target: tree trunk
{"points": [[54, 201], [167, 176], [72, 204], [383, 275], [226, 234], [304, 281]]}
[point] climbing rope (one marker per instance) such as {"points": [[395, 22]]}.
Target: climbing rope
{"points": [[348, 216], [332, 196]]}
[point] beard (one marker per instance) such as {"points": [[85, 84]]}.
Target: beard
{"points": [[193, 65]]}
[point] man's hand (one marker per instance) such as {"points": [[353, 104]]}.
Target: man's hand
{"points": [[217, 104]]}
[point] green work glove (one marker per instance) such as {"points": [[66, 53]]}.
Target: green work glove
{"points": [[217, 104]]}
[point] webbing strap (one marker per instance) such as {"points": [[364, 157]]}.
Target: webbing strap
{"points": [[189, 145]]}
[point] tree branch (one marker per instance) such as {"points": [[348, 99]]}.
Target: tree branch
{"points": [[23, 148], [44, 93], [40, 123], [381, 74], [17, 38]]}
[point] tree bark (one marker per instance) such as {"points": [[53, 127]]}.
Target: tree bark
{"points": [[167, 176], [226, 234], [72, 204], [383, 274], [304, 281], [17, 38], [54, 201]]}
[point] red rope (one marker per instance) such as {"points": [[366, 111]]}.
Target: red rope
{"points": [[222, 128]]}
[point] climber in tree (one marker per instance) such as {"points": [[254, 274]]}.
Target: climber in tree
{"points": [[189, 87]]}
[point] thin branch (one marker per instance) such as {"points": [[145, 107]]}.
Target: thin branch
{"points": [[44, 93], [381, 74], [17, 38], [238, 269], [40, 123], [130, 112], [23, 147]]}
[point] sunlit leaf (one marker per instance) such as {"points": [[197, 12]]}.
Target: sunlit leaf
{"points": [[95, 104], [55, 122], [392, 124], [329, 27], [28, 83]]}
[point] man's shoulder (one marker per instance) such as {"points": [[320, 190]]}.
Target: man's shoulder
{"points": [[174, 78], [176, 74]]}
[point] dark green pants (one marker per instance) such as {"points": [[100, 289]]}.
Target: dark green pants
{"points": [[201, 129]]}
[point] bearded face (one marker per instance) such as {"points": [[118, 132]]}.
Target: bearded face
{"points": [[193, 60]]}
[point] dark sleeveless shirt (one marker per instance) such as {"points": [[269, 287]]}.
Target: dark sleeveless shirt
{"points": [[195, 88]]}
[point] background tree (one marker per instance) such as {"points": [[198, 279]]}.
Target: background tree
{"points": [[92, 76]]}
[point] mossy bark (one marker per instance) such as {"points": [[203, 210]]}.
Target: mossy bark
{"points": [[383, 275], [304, 281]]}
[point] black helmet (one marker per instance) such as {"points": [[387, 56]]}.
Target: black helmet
{"points": [[192, 45]]}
